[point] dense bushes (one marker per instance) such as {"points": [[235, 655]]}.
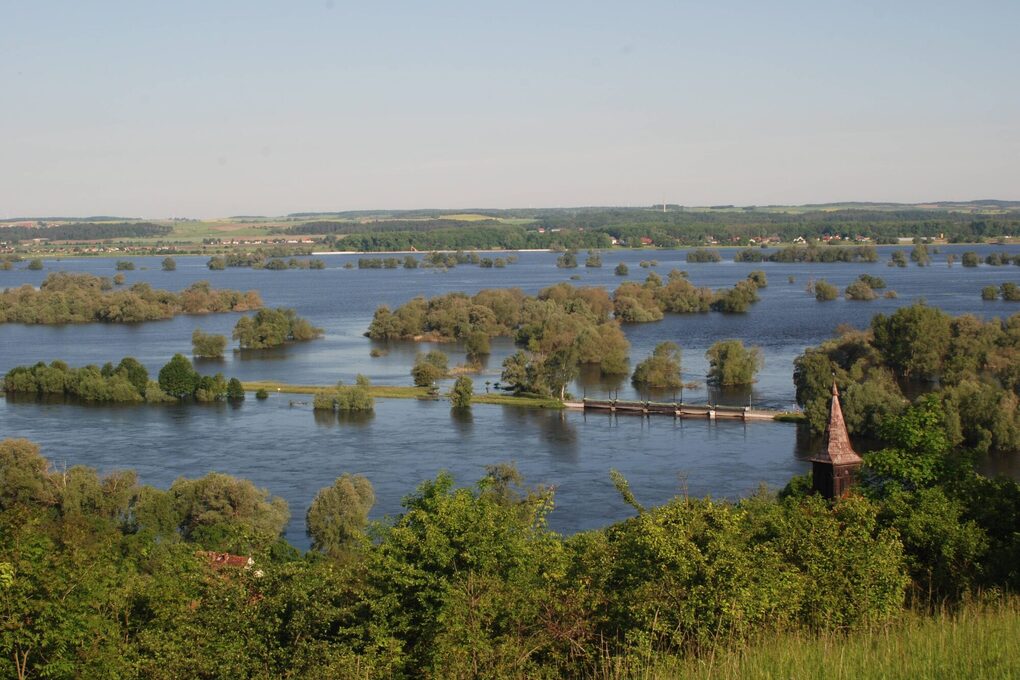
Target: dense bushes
{"points": [[272, 328], [561, 316], [825, 254], [207, 345], [345, 398], [464, 582], [730, 363], [703, 255], [661, 369], [976, 365], [824, 291], [128, 382], [83, 298]]}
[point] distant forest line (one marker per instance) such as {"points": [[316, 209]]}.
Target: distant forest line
{"points": [[372, 231]]}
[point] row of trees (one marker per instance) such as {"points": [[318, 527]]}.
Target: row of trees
{"points": [[82, 298], [86, 231], [650, 301], [263, 261], [971, 366], [101, 576], [730, 363], [1009, 291], [127, 382], [582, 228], [346, 398]]}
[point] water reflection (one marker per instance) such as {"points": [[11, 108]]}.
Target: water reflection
{"points": [[732, 395], [267, 354], [324, 418], [358, 419], [463, 420], [590, 378]]}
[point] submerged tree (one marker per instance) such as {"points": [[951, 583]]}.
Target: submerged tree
{"points": [[661, 369], [730, 363], [429, 368], [207, 345], [462, 392], [337, 517]]}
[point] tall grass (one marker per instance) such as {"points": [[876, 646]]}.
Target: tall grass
{"points": [[975, 641]]}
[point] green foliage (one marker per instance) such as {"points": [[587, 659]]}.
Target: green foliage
{"points": [[261, 394], [990, 293], [622, 269], [758, 278], [345, 399], [235, 390], [125, 265], [211, 388], [1010, 292], [703, 255], [169, 264], [975, 362], [825, 291], [970, 259], [873, 282], [462, 392], [476, 344], [35, 264], [220, 512], [178, 377], [914, 339], [272, 328], [898, 259], [594, 259], [736, 300], [84, 298], [567, 260], [561, 316], [920, 255], [869, 391], [730, 363], [661, 369], [338, 515], [429, 368], [207, 345], [827, 254], [749, 255], [859, 290], [101, 577], [127, 382]]}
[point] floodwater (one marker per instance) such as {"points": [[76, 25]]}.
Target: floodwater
{"points": [[281, 445]]}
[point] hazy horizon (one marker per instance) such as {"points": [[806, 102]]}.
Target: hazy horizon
{"points": [[255, 108]]}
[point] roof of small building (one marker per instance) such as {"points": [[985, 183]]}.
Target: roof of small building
{"points": [[837, 450], [219, 560]]}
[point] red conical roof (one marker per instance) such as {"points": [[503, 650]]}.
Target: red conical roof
{"points": [[838, 450]]}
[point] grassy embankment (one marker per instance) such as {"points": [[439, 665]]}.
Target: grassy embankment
{"points": [[411, 392], [975, 642], [406, 392]]}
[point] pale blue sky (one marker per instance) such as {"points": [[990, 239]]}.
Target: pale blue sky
{"points": [[216, 108]]}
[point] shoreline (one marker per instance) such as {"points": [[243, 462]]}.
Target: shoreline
{"points": [[494, 399]]}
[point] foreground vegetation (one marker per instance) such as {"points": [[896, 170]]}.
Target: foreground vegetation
{"points": [[101, 576], [83, 298], [975, 641]]}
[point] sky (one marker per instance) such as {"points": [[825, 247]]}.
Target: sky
{"points": [[205, 109]]}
